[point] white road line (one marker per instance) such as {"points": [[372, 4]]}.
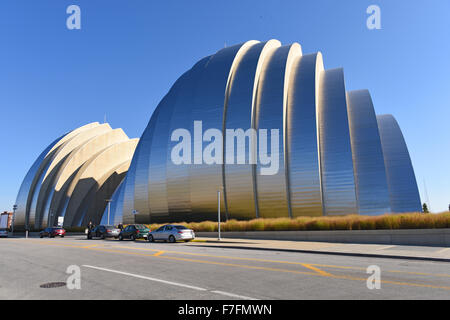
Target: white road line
{"points": [[148, 278], [170, 282], [386, 247], [233, 295]]}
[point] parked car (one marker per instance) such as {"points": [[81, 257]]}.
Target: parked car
{"points": [[104, 232], [3, 233], [172, 233], [52, 232], [134, 231]]}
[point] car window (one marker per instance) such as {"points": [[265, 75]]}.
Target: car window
{"points": [[180, 227], [160, 229], [168, 228]]}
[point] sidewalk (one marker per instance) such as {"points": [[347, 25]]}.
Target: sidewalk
{"points": [[346, 249]]}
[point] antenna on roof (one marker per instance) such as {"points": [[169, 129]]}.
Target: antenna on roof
{"points": [[426, 195]]}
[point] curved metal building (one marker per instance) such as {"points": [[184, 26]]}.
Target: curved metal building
{"points": [[330, 151], [370, 174], [403, 194], [73, 177], [308, 148]]}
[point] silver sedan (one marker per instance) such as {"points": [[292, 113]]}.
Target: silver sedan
{"points": [[172, 233]]}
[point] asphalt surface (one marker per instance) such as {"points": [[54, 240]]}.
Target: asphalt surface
{"points": [[112, 269]]}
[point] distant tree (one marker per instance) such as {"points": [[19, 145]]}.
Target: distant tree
{"points": [[425, 208]]}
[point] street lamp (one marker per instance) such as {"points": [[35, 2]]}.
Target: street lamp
{"points": [[218, 213], [109, 208], [51, 222], [13, 218]]}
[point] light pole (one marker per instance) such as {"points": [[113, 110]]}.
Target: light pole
{"points": [[109, 208], [218, 211], [51, 219], [13, 218]]}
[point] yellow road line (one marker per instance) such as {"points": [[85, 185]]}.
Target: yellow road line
{"points": [[317, 270], [261, 260], [322, 274], [283, 262], [316, 273], [391, 271], [158, 253], [90, 246]]}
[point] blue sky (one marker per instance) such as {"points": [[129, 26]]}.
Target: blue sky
{"points": [[129, 52]]}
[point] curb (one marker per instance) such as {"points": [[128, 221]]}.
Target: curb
{"points": [[351, 254]]}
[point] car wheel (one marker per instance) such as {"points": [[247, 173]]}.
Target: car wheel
{"points": [[172, 239], [41, 236], [150, 238], [120, 237], [62, 236], [133, 237], [103, 236]]}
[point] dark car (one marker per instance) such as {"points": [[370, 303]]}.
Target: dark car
{"points": [[134, 231], [52, 232], [103, 232], [3, 233]]}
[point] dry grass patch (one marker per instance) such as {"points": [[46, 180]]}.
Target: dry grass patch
{"points": [[350, 222]]}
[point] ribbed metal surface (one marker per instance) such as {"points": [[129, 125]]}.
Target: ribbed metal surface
{"points": [[404, 194], [205, 180], [72, 164], [239, 178], [302, 138], [116, 207], [64, 153], [66, 176], [31, 213], [370, 174], [333, 157], [272, 190], [128, 206], [21, 216], [338, 183], [159, 152], [178, 189]]}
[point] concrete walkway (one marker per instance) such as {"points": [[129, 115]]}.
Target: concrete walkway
{"points": [[348, 249]]}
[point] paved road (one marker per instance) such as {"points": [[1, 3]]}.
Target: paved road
{"points": [[112, 269]]}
